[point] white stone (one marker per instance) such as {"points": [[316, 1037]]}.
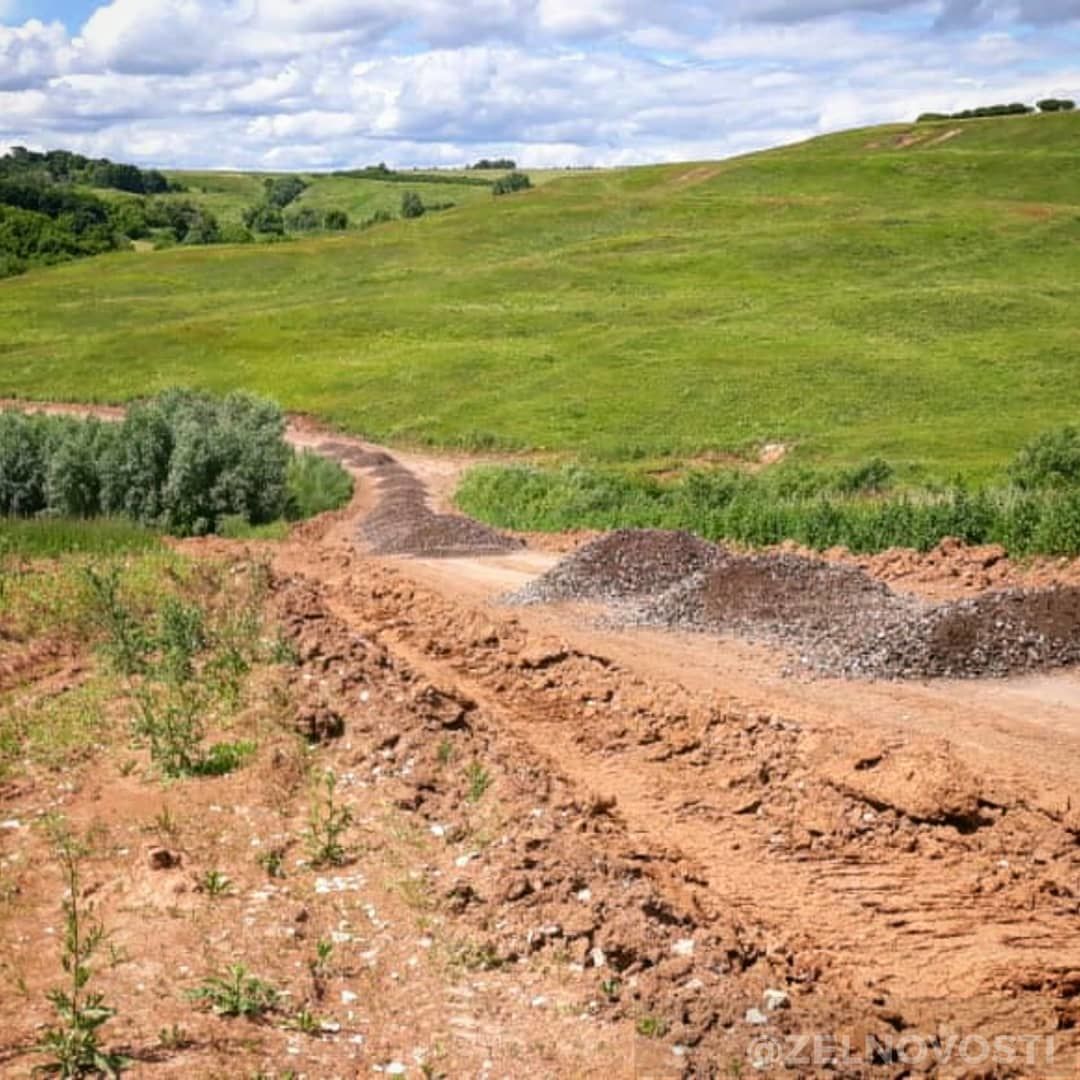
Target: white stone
{"points": [[683, 947]]}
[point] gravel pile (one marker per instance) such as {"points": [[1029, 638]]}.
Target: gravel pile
{"points": [[836, 619], [404, 524], [623, 564]]}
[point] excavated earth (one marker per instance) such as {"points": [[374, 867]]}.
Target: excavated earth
{"points": [[679, 864]]}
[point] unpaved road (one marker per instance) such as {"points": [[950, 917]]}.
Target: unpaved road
{"points": [[911, 848], [900, 860]]}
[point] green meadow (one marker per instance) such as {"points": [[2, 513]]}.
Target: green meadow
{"points": [[904, 292]]}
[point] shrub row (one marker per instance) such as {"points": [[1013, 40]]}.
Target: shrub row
{"points": [[1037, 512], [183, 462]]}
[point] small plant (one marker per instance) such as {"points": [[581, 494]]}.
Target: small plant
{"points": [[181, 638], [611, 989], [327, 824], [165, 824], [127, 643], [445, 753], [304, 1021], [273, 862], [173, 1038], [236, 993], [479, 781], [73, 1046], [214, 883], [324, 949], [652, 1027], [173, 725]]}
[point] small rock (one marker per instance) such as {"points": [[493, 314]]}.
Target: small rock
{"points": [[756, 1017], [683, 947], [776, 999]]}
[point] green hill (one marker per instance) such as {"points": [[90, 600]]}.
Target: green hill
{"points": [[908, 291]]}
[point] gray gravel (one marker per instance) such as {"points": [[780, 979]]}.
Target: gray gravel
{"points": [[835, 620]]}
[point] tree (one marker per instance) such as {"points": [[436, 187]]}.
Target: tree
{"points": [[305, 219], [265, 219], [510, 183], [412, 206], [1055, 105], [283, 190]]}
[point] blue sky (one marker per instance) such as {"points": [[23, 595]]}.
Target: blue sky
{"points": [[73, 13], [323, 83]]}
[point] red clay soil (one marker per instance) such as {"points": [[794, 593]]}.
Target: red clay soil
{"points": [[581, 851]]}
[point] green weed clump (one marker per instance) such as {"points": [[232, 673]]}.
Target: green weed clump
{"points": [[315, 485], [73, 1045]]}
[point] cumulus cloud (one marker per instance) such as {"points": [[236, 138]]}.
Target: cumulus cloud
{"points": [[293, 83]]}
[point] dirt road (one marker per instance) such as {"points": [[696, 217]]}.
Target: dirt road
{"points": [[907, 852], [744, 869]]}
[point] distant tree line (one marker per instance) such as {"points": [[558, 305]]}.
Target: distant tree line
{"points": [[500, 164], [1015, 109], [393, 176], [65, 167]]}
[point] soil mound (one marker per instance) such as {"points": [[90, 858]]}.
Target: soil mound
{"points": [[623, 564]]}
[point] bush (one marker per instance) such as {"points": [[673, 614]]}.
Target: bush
{"points": [[265, 219], [182, 462], [281, 191], [315, 485], [304, 219], [336, 221], [510, 183], [412, 206], [1052, 460]]}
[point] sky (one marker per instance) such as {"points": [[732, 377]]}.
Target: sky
{"points": [[312, 84]]}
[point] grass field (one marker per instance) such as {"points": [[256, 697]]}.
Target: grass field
{"points": [[858, 294]]}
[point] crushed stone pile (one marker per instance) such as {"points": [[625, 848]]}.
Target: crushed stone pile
{"points": [[622, 564], [404, 524], [836, 619]]}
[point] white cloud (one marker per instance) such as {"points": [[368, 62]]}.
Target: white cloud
{"points": [[282, 83]]}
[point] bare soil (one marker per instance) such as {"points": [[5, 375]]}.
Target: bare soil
{"points": [[676, 850]]}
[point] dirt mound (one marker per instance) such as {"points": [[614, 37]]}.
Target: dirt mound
{"points": [[621, 564], [403, 522]]}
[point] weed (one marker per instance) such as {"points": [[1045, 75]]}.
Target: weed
{"points": [[118, 955], [236, 993], [174, 1037], [652, 1027], [181, 637], [304, 1021], [173, 724], [611, 988], [327, 824], [224, 758], [165, 824], [272, 861], [475, 957], [214, 883], [126, 641], [73, 1046], [479, 780], [283, 651], [445, 753]]}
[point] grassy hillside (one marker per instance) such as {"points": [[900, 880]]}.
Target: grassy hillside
{"points": [[904, 291]]}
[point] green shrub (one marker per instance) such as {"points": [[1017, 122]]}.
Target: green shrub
{"points": [[315, 485], [336, 221], [412, 206], [1052, 460], [511, 182]]}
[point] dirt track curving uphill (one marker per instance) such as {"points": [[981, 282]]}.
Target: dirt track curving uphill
{"points": [[681, 856], [893, 859]]}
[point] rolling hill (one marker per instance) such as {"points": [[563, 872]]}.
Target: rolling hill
{"points": [[907, 291]]}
